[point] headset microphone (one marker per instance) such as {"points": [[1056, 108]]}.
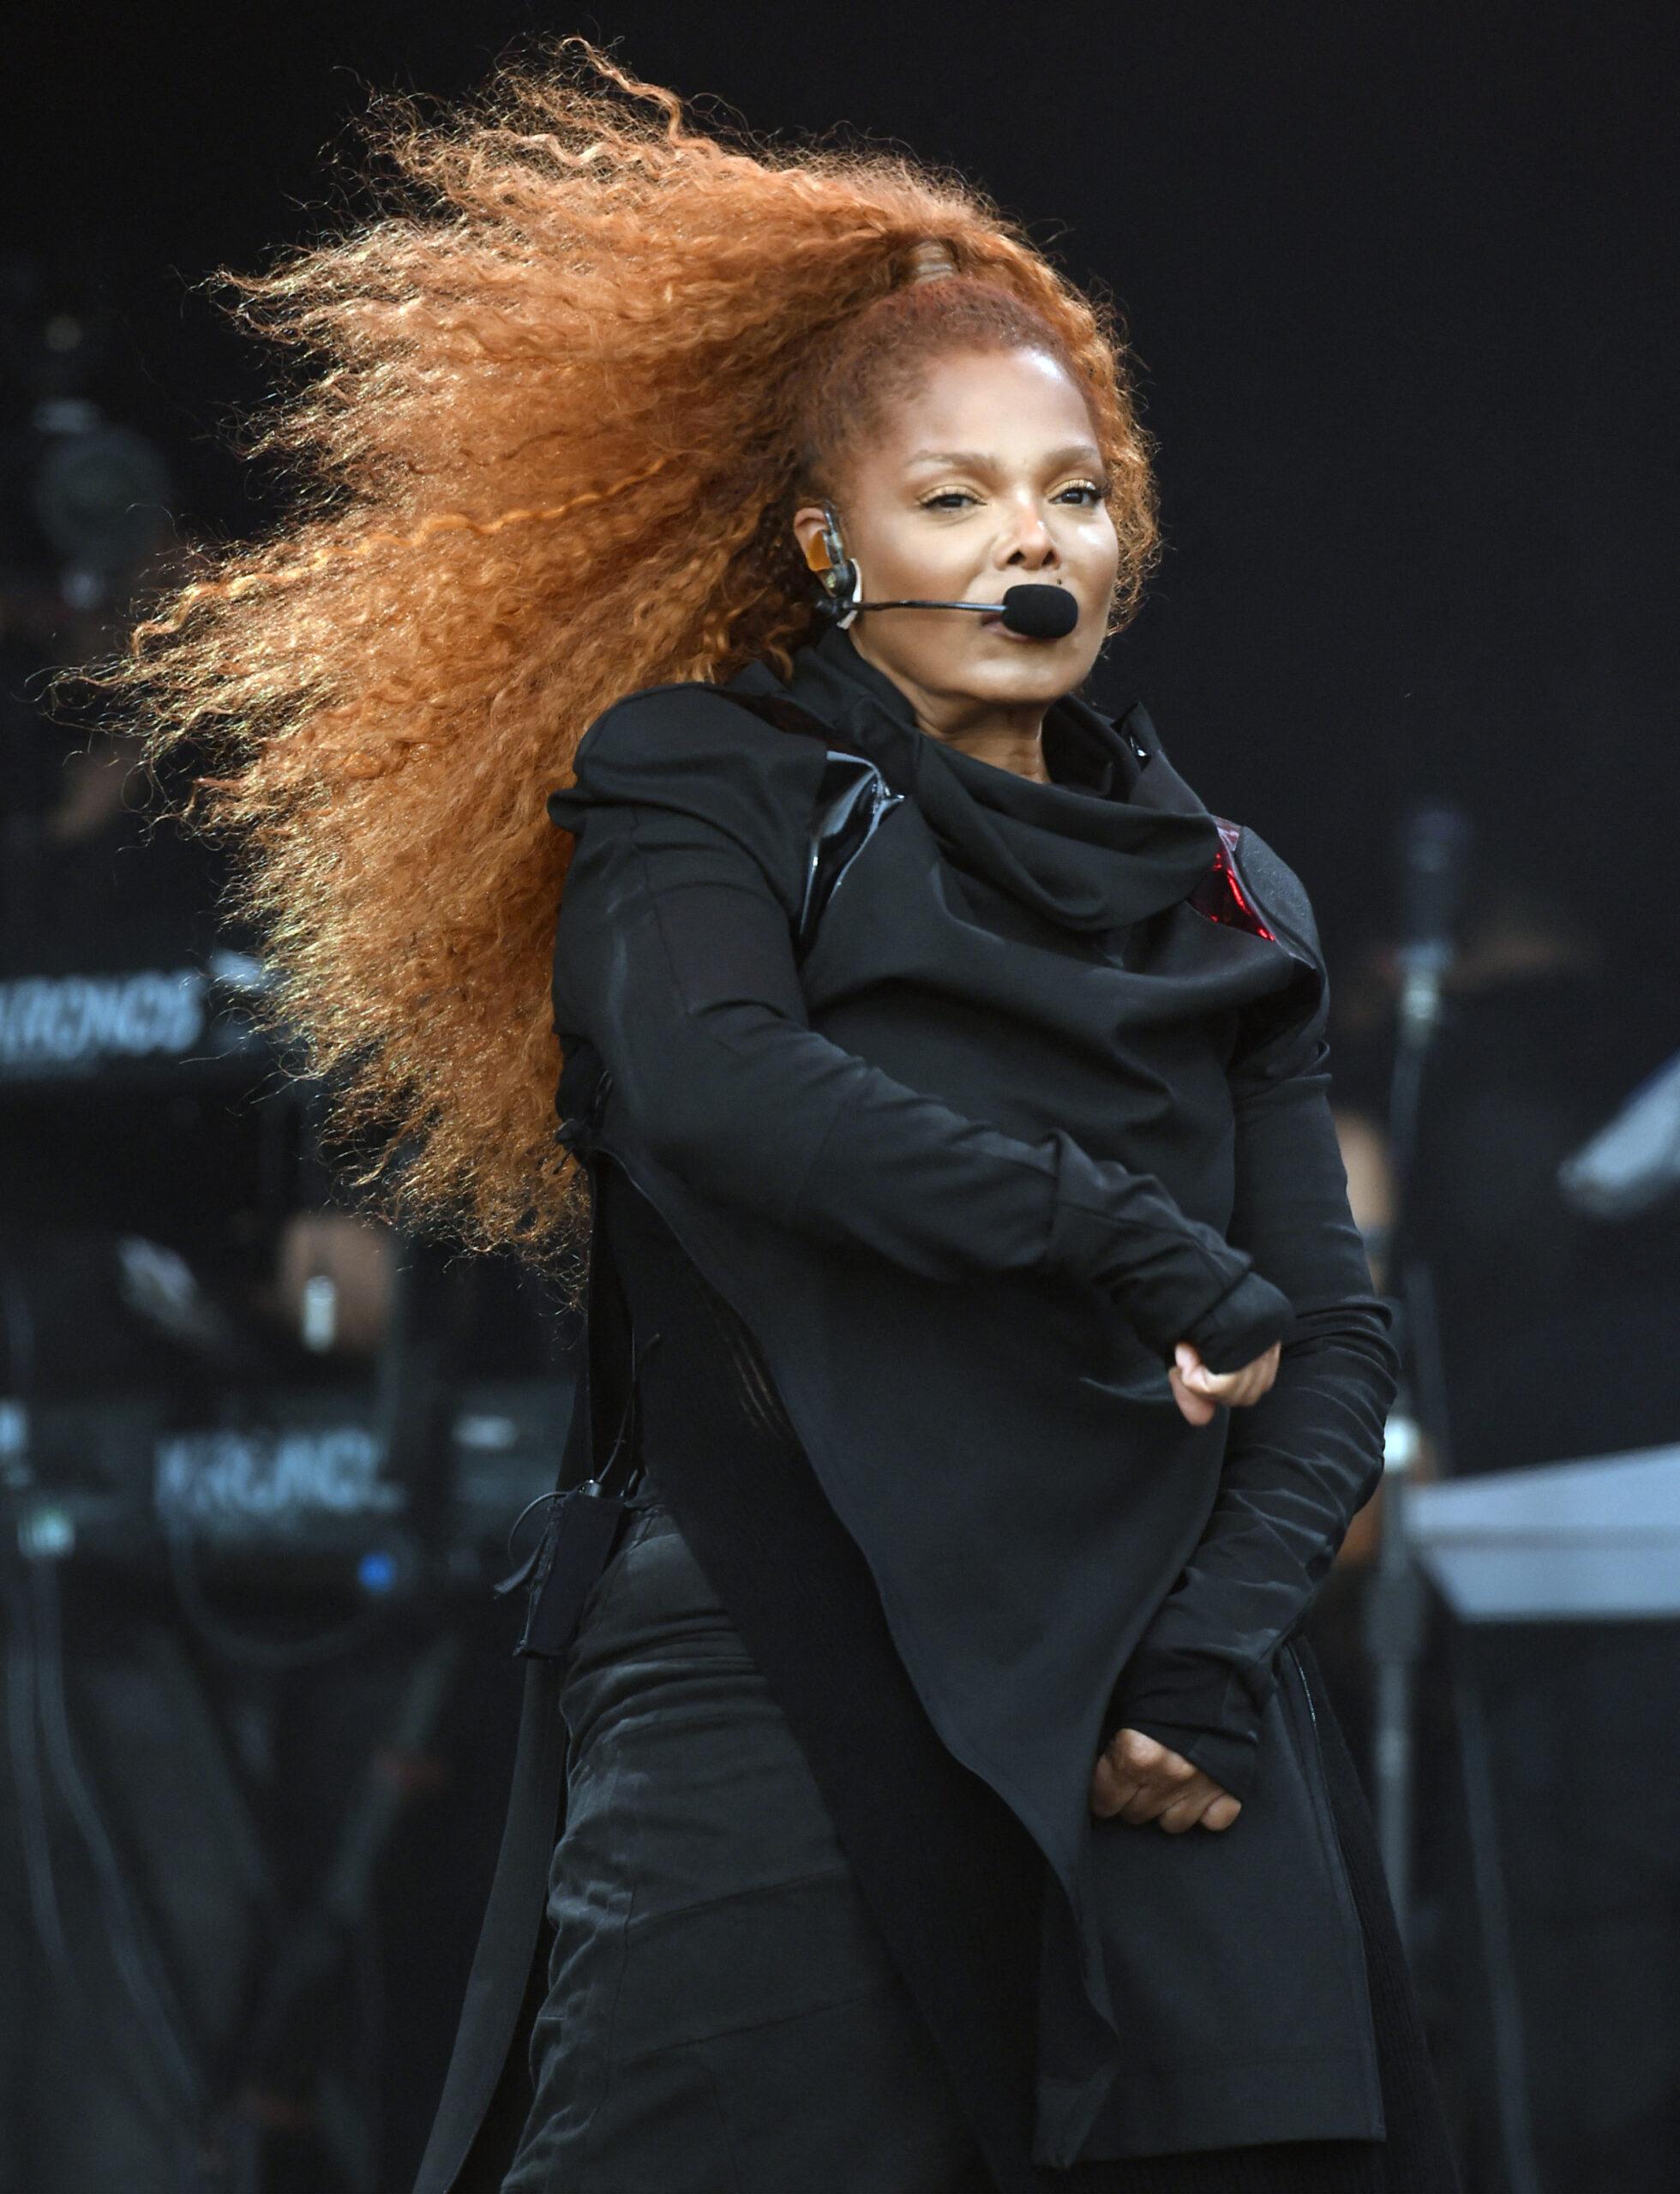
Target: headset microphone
{"points": [[1039, 613]]}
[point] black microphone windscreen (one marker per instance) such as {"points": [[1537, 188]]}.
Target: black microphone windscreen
{"points": [[1042, 613]]}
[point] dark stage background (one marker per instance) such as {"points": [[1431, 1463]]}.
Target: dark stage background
{"points": [[1400, 284]]}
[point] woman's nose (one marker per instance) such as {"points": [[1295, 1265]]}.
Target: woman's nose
{"points": [[1028, 541]]}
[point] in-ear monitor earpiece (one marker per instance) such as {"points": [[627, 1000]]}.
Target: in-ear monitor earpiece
{"points": [[842, 583]]}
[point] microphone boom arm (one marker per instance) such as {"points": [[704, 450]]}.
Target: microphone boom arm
{"points": [[1039, 612]]}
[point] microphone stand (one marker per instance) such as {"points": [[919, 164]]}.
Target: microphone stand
{"points": [[1396, 1605]]}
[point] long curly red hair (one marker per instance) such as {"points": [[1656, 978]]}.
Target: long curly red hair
{"points": [[559, 397]]}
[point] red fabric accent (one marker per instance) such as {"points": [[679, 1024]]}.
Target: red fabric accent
{"points": [[1220, 895]]}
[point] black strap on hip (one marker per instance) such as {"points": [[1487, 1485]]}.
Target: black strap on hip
{"points": [[487, 2090]]}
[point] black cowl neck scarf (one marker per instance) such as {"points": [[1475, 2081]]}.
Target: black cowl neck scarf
{"points": [[1116, 837]]}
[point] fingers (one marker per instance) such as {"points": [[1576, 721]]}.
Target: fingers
{"points": [[1197, 1408], [1143, 1778], [1127, 1773], [1176, 1818], [1139, 1756], [1191, 1381], [1239, 1388], [1138, 1780], [1211, 1807], [1109, 1790]]}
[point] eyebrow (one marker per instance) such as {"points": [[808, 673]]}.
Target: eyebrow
{"points": [[982, 460]]}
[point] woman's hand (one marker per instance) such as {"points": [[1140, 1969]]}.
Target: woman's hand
{"points": [[1141, 1780], [1198, 1391]]}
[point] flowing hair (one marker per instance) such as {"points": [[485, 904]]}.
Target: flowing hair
{"points": [[556, 400]]}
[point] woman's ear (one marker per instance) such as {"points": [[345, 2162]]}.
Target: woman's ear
{"points": [[810, 524]]}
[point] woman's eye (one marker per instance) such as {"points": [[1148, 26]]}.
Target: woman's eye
{"points": [[1085, 491]]}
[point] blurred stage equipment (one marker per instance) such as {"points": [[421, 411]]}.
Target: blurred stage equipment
{"points": [[144, 1025], [280, 1526], [87, 496], [402, 1483], [1597, 1540], [1434, 846], [100, 495], [1634, 1161], [302, 1491], [1592, 1541], [243, 1532]]}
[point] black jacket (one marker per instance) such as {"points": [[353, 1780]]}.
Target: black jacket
{"points": [[1045, 1094], [1036, 1088]]}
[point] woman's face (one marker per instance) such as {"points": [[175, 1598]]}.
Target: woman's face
{"points": [[987, 477]]}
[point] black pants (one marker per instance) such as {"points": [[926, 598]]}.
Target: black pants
{"points": [[723, 2016]]}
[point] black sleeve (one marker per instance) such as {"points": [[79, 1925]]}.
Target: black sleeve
{"points": [[1302, 1461], [674, 958]]}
